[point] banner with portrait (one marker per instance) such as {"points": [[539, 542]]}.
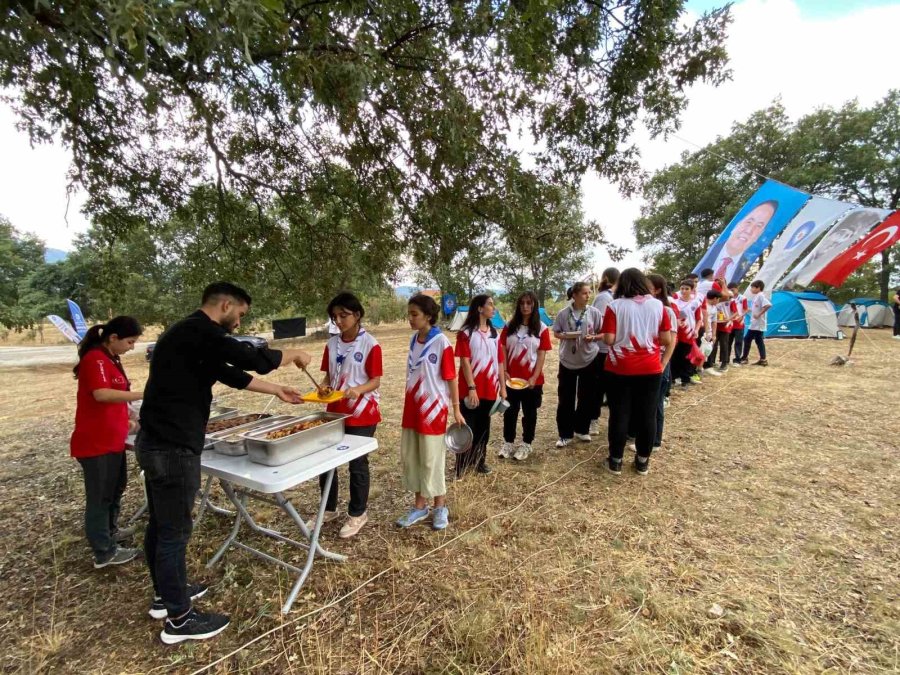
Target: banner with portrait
{"points": [[846, 231], [752, 229], [816, 216], [78, 321], [884, 236]]}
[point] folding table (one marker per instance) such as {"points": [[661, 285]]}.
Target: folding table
{"points": [[242, 479]]}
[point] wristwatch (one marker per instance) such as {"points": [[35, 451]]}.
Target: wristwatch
{"points": [[471, 388]]}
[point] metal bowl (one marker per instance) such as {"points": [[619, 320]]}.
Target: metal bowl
{"points": [[458, 438], [500, 406]]}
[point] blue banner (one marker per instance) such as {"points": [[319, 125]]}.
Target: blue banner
{"points": [[65, 328], [752, 229], [77, 318], [448, 304]]}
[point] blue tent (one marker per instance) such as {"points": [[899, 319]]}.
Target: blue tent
{"points": [[801, 315], [545, 318], [873, 313]]}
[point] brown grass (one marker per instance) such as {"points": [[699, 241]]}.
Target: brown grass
{"points": [[774, 497]]}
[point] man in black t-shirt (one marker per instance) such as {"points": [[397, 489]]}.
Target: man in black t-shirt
{"points": [[188, 359]]}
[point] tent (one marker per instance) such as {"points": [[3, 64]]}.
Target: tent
{"points": [[801, 315], [872, 313], [462, 312]]}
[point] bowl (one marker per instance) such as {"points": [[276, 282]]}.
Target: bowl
{"points": [[500, 406], [458, 438]]}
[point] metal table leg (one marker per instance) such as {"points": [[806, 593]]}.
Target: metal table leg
{"points": [[234, 530], [206, 504], [143, 508]]}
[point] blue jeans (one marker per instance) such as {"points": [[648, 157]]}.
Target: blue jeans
{"points": [[172, 475], [664, 385]]}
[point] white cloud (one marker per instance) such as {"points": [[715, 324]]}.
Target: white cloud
{"points": [[774, 51]]}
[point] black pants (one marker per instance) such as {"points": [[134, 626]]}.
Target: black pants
{"points": [[600, 391], [479, 420], [633, 403], [737, 343], [722, 348], [172, 475], [577, 394], [682, 368], [664, 384], [105, 478], [359, 477], [896, 311], [758, 337], [529, 400]]}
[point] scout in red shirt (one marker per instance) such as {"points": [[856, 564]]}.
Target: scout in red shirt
{"points": [[101, 425], [525, 341], [741, 307], [352, 365]]}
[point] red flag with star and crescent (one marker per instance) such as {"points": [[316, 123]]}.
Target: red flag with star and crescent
{"points": [[882, 237]]}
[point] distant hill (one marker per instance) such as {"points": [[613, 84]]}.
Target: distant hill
{"points": [[53, 255]]}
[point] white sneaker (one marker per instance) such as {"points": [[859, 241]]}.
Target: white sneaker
{"points": [[712, 371], [632, 447], [522, 452], [353, 525], [584, 438], [506, 450], [665, 402], [329, 516], [595, 427], [563, 442]]}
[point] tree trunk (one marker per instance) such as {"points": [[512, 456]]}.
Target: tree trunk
{"points": [[884, 280]]}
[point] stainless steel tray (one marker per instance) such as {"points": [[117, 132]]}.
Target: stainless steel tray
{"points": [[230, 441], [303, 443], [221, 413]]}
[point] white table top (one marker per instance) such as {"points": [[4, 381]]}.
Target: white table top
{"points": [[269, 479]]}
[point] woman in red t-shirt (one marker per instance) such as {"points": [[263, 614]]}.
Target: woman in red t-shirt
{"points": [[635, 326], [101, 425], [526, 341]]}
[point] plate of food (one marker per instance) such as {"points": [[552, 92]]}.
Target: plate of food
{"points": [[517, 383], [571, 334], [323, 395]]}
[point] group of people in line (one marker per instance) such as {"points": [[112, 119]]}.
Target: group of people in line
{"points": [[624, 349]]}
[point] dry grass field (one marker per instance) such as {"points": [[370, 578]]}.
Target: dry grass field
{"points": [[764, 540]]}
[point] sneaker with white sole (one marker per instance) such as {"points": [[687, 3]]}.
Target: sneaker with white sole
{"points": [[614, 465], [522, 452], [712, 371], [595, 427], [413, 516], [121, 556], [631, 446], [193, 626], [506, 450], [353, 525], [642, 465], [584, 438], [440, 518], [158, 609], [125, 533], [563, 442], [327, 518], [696, 379]]}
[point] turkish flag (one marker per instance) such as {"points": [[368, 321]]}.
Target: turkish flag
{"points": [[842, 266]]}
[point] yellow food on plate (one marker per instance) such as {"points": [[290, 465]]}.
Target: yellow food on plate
{"points": [[315, 397], [517, 383]]}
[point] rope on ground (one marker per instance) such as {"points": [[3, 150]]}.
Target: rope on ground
{"points": [[380, 574]]}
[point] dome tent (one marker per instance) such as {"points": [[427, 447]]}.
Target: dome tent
{"points": [[462, 312], [873, 313], [801, 315]]}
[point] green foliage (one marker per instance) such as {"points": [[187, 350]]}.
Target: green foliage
{"points": [[21, 255], [850, 153], [316, 143]]}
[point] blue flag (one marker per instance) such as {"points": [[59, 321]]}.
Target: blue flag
{"points": [[77, 318]]}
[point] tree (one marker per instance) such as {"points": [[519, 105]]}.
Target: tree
{"points": [[20, 255], [384, 118], [850, 153]]}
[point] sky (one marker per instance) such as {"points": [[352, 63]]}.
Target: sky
{"points": [[811, 53]]}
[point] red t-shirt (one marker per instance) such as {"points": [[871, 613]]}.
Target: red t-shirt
{"points": [[100, 428], [427, 402], [353, 364], [636, 323], [522, 352], [485, 354]]}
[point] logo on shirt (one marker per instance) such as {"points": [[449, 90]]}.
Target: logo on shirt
{"points": [[432, 358], [358, 357]]}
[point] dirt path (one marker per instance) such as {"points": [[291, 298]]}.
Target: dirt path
{"points": [[764, 540]]}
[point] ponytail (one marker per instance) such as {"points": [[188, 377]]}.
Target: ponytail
{"points": [[120, 326]]}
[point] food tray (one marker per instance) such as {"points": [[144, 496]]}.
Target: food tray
{"points": [[283, 450], [218, 412], [233, 422], [230, 441], [572, 334]]}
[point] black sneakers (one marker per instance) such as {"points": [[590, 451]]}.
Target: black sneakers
{"points": [[484, 469], [158, 609], [614, 465], [193, 626], [642, 465], [121, 556]]}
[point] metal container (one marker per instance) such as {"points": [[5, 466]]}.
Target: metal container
{"points": [[231, 442], [221, 414], [283, 450]]}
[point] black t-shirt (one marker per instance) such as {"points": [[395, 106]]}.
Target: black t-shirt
{"points": [[187, 360]]}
